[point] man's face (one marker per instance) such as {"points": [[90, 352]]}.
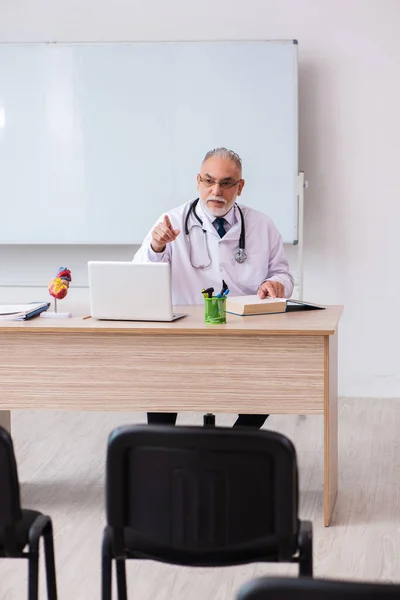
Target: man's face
{"points": [[219, 184]]}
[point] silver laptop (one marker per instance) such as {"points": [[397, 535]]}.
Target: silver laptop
{"points": [[126, 291]]}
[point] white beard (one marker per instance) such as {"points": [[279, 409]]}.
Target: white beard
{"points": [[217, 212]]}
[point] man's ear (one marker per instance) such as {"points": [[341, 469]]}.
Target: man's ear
{"points": [[198, 181], [240, 187]]}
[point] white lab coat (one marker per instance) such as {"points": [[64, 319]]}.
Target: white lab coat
{"points": [[265, 255]]}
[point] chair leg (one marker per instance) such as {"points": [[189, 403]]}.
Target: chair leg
{"points": [[121, 580], [36, 531], [106, 590], [306, 566], [50, 563], [33, 574], [209, 420], [306, 550]]}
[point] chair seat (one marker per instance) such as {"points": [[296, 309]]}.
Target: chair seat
{"points": [[265, 550], [21, 530]]}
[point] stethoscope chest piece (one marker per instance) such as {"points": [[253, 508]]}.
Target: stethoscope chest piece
{"points": [[240, 256]]}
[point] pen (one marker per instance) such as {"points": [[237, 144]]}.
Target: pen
{"points": [[223, 290], [226, 292]]}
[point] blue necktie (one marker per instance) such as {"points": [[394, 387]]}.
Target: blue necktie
{"points": [[220, 221]]}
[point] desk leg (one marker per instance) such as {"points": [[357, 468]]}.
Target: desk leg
{"points": [[330, 426], [5, 419]]}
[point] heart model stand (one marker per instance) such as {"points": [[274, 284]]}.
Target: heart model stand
{"points": [[58, 288]]}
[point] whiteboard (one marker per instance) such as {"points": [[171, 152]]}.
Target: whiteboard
{"points": [[98, 140]]}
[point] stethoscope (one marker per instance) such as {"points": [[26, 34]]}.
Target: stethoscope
{"points": [[240, 255]]}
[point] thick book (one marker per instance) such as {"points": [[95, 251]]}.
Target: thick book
{"points": [[22, 312], [253, 305]]}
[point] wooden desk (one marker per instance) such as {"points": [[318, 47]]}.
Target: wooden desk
{"points": [[285, 363]]}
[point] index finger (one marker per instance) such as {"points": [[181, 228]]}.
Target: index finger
{"points": [[261, 292], [270, 288], [167, 221]]}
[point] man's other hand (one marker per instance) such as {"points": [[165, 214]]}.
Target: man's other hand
{"points": [[273, 289]]}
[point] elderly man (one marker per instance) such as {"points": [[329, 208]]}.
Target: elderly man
{"points": [[212, 239]]}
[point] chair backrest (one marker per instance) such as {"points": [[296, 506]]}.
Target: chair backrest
{"points": [[315, 589], [10, 506], [203, 491]]}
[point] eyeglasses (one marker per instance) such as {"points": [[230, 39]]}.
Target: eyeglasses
{"points": [[225, 184]]}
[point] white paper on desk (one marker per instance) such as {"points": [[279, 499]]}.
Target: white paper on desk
{"points": [[12, 309], [16, 312]]}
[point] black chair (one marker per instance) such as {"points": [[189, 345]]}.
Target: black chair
{"points": [[200, 496], [315, 589], [20, 528]]}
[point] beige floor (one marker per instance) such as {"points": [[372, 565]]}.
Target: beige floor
{"points": [[61, 466]]}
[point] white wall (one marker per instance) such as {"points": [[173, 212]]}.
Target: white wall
{"points": [[349, 147]]}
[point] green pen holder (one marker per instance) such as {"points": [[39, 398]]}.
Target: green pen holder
{"points": [[215, 311]]}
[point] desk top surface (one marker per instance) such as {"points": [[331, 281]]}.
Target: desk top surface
{"points": [[312, 322]]}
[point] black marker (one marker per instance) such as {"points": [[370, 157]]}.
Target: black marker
{"points": [[208, 291]]}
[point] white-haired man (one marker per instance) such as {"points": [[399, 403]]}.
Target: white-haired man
{"points": [[202, 241]]}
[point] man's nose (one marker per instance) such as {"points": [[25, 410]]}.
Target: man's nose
{"points": [[216, 189]]}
